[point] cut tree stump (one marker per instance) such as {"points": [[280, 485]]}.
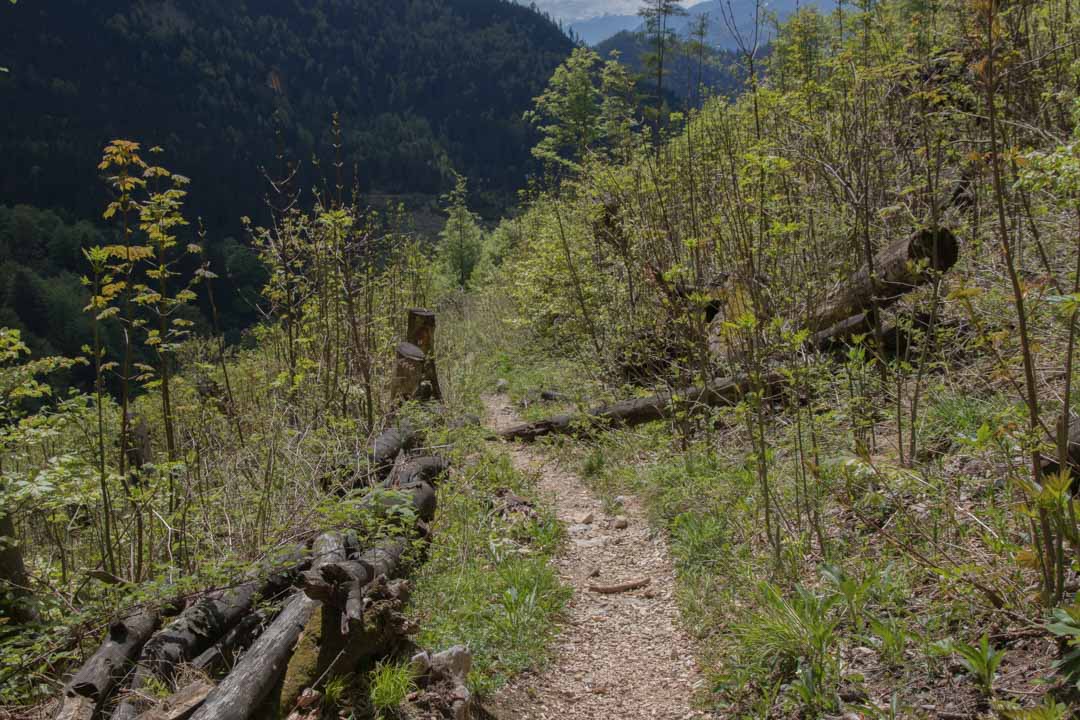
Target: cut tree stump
{"points": [[421, 333], [409, 372]]}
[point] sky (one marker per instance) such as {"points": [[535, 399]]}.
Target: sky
{"points": [[571, 10]]}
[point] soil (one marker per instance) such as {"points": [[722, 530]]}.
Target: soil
{"points": [[620, 655]]}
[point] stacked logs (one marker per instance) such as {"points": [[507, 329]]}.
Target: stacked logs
{"points": [[840, 315], [336, 595]]}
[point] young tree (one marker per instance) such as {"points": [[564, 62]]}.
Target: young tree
{"points": [[567, 113], [661, 36], [618, 107], [19, 382], [462, 238]]}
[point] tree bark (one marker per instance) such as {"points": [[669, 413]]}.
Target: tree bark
{"points": [[629, 413], [899, 268], [424, 469], [107, 667], [241, 693], [13, 581], [409, 372], [421, 333], [224, 650], [194, 631]]}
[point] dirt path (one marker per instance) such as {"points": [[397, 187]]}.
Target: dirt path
{"points": [[621, 655]]}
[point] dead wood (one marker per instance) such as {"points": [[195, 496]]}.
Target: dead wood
{"points": [[108, 666], [629, 413], [421, 333], [620, 587], [242, 692], [898, 269]]}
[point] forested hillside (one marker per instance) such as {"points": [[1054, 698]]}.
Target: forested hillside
{"points": [[693, 72], [234, 92], [422, 87]]}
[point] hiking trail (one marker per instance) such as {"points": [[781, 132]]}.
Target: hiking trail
{"points": [[617, 655]]}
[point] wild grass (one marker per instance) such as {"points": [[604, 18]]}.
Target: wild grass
{"points": [[488, 583]]}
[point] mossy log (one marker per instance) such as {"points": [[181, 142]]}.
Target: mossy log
{"points": [[629, 413], [330, 647], [242, 692]]}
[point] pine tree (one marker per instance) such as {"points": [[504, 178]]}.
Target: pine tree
{"points": [[462, 238], [661, 36]]}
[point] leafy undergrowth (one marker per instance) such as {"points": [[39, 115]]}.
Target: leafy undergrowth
{"points": [[896, 592], [488, 584]]}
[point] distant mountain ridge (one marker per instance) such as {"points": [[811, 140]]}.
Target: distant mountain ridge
{"points": [[598, 29]]}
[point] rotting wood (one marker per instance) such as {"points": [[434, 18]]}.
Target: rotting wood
{"points": [[107, 667], [242, 691], [620, 587], [898, 269], [629, 413], [193, 632]]}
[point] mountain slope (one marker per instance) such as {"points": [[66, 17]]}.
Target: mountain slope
{"points": [[421, 86], [595, 31], [720, 73]]}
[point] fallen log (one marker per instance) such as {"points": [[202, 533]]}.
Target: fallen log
{"points": [[898, 269], [107, 667], [196, 629], [895, 338], [328, 645], [243, 690], [387, 445], [629, 413], [423, 469], [224, 650]]}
